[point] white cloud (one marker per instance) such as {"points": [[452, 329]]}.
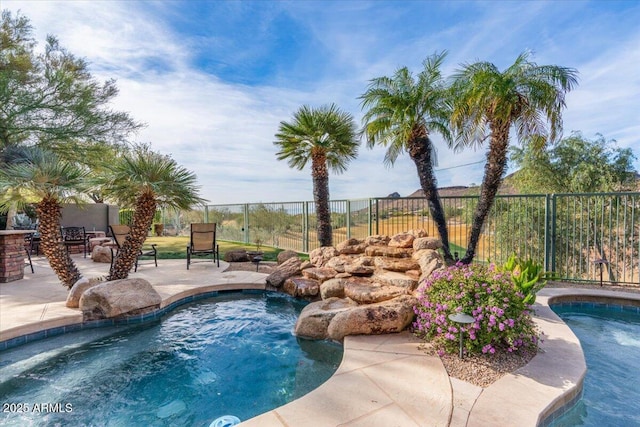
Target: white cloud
{"points": [[223, 131]]}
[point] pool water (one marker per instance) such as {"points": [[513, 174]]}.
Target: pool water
{"points": [[611, 344], [230, 355]]}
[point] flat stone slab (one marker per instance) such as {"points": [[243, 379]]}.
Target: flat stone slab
{"points": [[396, 264], [321, 274], [388, 251], [371, 293], [394, 278], [301, 287]]}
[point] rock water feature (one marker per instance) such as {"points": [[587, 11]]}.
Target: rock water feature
{"points": [[361, 286]]}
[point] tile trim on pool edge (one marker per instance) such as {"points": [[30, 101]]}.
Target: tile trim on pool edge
{"points": [[628, 303], [131, 320]]}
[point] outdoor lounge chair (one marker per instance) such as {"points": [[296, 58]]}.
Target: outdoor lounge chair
{"points": [[203, 242], [119, 234], [74, 236]]}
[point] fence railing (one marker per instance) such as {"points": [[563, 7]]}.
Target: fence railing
{"points": [[566, 232]]}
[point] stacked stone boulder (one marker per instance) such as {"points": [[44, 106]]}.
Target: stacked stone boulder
{"points": [[361, 286]]}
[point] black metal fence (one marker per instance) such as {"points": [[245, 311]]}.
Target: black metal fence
{"points": [[574, 235]]}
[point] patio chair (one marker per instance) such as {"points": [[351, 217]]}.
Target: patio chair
{"points": [[74, 236], [119, 234], [203, 242]]}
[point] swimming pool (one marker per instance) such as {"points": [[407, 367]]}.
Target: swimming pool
{"points": [[230, 355], [610, 339]]}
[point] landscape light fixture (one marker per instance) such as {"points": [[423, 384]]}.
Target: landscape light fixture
{"points": [[461, 319]]}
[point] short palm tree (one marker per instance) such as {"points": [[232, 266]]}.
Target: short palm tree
{"points": [[326, 136], [42, 177], [145, 180], [487, 103], [401, 112]]}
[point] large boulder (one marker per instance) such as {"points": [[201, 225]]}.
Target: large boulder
{"points": [[377, 240], [385, 317], [320, 274], [370, 293], [301, 287], [429, 260], [315, 317], [101, 254], [333, 288], [238, 255], [285, 255], [289, 268], [427, 243], [351, 246], [78, 288], [119, 298], [320, 256], [402, 240], [393, 278]]}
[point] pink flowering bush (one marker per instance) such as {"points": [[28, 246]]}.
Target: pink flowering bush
{"points": [[502, 320]]}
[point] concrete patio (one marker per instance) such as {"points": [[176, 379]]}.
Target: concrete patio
{"points": [[385, 380]]}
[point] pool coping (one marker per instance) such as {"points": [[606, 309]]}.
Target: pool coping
{"points": [[534, 395]]}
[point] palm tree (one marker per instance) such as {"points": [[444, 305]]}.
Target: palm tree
{"points": [[487, 103], [402, 110], [327, 137], [145, 180], [41, 176]]}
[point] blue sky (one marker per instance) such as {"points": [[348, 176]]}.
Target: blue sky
{"points": [[213, 79]]}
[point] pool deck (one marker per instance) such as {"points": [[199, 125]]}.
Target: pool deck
{"points": [[384, 380]]}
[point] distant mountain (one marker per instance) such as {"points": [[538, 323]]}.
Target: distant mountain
{"points": [[507, 188]]}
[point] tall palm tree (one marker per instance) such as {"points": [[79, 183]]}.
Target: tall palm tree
{"points": [[487, 103], [145, 180], [327, 137], [402, 111], [41, 176]]}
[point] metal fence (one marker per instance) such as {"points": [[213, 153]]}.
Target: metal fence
{"points": [[566, 232]]}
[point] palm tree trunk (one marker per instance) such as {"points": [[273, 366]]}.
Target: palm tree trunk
{"points": [[320, 176], [128, 254], [493, 171], [420, 150], [49, 212]]}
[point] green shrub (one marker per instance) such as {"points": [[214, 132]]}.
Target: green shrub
{"points": [[502, 319]]}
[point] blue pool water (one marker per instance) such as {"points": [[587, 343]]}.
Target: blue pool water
{"points": [[610, 340], [230, 355]]}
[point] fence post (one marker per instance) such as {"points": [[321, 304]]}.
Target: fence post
{"points": [[552, 233], [206, 214], [305, 227], [370, 219], [377, 217], [246, 223], [348, 219]]}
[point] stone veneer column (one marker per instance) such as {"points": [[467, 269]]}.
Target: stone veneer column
{"points": [[12, 255]]}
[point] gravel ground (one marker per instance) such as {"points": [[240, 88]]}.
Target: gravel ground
{"points": [[482, 370]]}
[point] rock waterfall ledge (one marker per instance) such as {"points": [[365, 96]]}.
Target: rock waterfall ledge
{"points": [[361, 286]]}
